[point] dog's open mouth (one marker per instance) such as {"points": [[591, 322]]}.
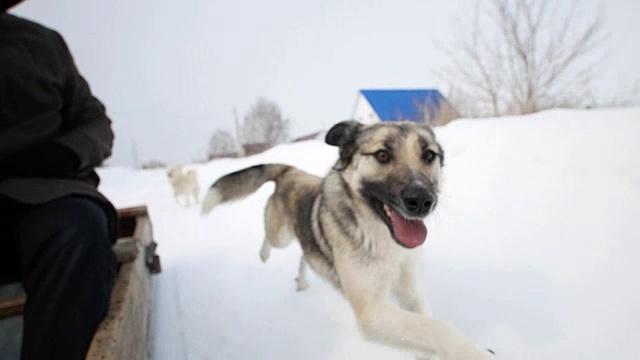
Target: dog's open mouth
{"points": [[409, 233]]}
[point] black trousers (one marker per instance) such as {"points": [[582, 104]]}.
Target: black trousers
{"points": [[61, 251]]}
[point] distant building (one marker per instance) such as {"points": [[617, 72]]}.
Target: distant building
{"points": [[255, 148], [426, 105], [222, 155]]}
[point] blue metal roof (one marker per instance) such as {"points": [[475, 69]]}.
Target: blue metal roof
{"points": [[394, 105]]}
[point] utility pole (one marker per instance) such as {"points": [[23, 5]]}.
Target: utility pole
{"points": [[239, 135]]}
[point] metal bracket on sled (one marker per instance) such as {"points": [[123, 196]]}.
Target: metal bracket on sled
{"points": [[151, 259]]}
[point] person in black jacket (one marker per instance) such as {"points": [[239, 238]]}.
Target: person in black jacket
{"points": [[56, 229]]}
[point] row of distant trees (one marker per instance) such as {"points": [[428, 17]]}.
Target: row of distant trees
{"points": [[523, 56], [513, 57], [262, 127]]}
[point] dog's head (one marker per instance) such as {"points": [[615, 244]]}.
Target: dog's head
{"points": [[174, 171], [396, 168]]}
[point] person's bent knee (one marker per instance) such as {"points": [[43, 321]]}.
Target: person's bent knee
{"points": [[77, 221], [74, 230]]}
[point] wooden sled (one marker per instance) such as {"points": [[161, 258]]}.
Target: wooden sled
{"points": [[124, 333]]}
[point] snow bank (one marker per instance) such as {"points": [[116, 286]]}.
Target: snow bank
{"points": [[533, 249]]}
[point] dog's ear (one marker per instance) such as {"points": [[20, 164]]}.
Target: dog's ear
{"points": [[344, 135]]}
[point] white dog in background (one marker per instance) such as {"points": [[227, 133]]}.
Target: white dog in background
{"points": [[184, 184]]}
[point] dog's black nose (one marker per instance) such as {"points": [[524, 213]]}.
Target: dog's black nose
{"points": [[417, 199]]}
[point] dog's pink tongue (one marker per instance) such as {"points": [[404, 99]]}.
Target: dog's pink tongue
{"points": [[410, 233]]}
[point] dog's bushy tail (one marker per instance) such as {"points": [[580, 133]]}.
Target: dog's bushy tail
{"points": [[240, 184]]}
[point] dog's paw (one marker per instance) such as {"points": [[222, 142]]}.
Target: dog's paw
{"points": [[301, 284]]}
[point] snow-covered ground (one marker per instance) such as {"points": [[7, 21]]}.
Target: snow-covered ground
{"points": [[534, 250]]}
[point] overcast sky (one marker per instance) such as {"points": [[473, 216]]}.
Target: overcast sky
{"points": [[170, 72]]}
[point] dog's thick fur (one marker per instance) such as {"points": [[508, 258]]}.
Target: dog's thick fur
{"points": [[343, 223], [184, 185]]}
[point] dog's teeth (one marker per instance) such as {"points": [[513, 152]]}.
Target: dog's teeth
{"points": [[387, 210]]}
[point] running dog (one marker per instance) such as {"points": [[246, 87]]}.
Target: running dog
{"points": [[359, 228], [184, 185]]}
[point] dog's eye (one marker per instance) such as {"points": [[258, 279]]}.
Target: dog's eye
{"points": [[429, 156], [383, 156]]}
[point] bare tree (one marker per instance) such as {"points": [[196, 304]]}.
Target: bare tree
{"points": [[628, 95], [436, 112], [264, 124], [221, 144], [522, 56]]}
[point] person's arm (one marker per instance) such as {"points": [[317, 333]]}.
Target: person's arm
{"points": [[85, 138], [86, 129]]}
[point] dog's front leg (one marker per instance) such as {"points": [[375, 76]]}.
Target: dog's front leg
{"points": [[405, 290], [365, 287], [386, 323]]}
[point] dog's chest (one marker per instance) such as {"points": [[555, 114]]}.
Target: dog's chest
{"points": [[377, 240]]}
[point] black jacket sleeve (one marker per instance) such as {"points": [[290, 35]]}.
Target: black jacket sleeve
{"points": [[50, 123], [48, 160], [86, 129]]}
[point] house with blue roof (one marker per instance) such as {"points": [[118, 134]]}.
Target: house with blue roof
{"points": [[418, 105]]}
